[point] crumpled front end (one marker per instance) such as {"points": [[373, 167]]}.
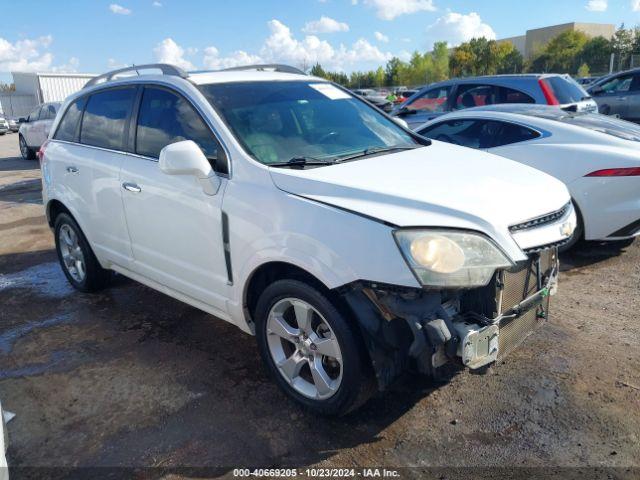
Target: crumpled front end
{"points": [[428, 329]]}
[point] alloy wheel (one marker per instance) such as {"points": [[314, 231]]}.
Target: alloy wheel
{"points": [[304, 348], [72, 255]]}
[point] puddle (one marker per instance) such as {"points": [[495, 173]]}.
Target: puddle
{"points": [[46, 279], [8, 338], [26, 191], [59, 361]]}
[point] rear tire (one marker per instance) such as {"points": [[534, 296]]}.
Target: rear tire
{"points": [[79, 264], [310, 349], [26, 152]]}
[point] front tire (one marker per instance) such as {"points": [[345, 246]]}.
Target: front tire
{"points": [[79, 264], [26, 152], [578, 233], [310, 349]]}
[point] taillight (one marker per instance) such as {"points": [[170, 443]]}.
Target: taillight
{"points": [[41, 151], [549, 96], [616, 172]]}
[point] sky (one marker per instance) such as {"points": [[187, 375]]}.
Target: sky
{"points": [[93, 36]]}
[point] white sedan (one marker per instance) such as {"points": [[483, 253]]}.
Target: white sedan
{"points": [[596, 156]]}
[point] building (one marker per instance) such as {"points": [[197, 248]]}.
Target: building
{"points": [[536, 39], [32, 89]]}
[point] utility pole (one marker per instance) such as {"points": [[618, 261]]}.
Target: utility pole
{"points": [[613, 56]]}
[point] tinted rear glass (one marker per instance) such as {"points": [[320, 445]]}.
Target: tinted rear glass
{"points": [[566, 90], [69, 123], [105, 118]]}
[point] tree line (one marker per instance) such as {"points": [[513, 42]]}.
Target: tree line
{"points": [[570, 52]]}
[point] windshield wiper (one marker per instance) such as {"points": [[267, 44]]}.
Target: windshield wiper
{"points": [[301, 162], [374, 150]]}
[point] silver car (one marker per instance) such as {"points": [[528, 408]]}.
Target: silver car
{"points": [[4, 126], [460, 93], [34, 129], [619, 94]]}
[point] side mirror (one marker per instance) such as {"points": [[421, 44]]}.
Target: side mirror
{"points": [[406, 111], [186, 158], [401, 122]]}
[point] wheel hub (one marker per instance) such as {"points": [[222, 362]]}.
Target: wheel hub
{"points": [[304, 348]]}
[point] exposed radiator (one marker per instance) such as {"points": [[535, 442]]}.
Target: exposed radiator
{"points": [[517, 285]]}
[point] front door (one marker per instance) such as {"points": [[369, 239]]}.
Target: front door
{"points": [[613, 97], [426, 106], [32, 130], [175, 228]]}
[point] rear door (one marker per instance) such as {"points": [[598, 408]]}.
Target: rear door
{"points": [[175, 228], [49, 113], [91, 168], [474, 95], [633, 104]]}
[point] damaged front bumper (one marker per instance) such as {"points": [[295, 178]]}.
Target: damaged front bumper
{"points": [[472, 328]]}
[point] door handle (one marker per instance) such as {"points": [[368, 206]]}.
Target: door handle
{"points": [[131, 187], [72, 169]]}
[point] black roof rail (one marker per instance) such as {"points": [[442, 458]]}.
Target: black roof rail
{"points": [[165, 68], [276, 67]]}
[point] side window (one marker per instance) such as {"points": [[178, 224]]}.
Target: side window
{"points": [[618, 84], [167, 118], [458, 132], [468, 96], [513, 133], [479, 133], [68, 128], [48, 112], [509, 95], [35, 115], [434, 100], [105, 118]]}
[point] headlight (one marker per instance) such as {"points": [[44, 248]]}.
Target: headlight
{"points": [[443, 258]]}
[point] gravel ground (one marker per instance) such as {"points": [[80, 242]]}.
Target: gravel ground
{"points": [[132, 378]]}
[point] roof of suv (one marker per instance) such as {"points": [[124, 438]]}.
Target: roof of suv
{"points": [[201, 78], [248, 73]]}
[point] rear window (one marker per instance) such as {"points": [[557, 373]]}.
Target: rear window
{"points": [[566, 90], [69, 123], [509, 95], [105, 118], [604, 124]]}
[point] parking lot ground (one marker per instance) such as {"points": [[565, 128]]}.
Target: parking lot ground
{"points": [[131, 377]]}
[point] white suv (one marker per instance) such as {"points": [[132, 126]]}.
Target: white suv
{"points": [[34, 129], [351, 247]]}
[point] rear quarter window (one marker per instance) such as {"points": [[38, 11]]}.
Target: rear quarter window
{"points": [[105, 118], [68, 128]]}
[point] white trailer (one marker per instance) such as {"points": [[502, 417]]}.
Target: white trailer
{"points": [[34, 88]]}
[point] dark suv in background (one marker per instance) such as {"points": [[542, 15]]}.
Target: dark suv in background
{"points": [[459, 93], [618, 94]]}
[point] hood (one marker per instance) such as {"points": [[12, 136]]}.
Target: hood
{"points": [[441, 185]]}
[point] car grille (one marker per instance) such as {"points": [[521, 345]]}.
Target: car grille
{"points": [[541, 220], [519, 284]]}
